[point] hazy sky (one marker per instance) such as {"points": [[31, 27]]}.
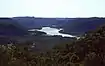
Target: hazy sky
{"points": [[52, 8]]}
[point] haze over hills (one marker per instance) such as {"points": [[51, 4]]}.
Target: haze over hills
{"points": [[11, 27], [33, 22], [81, 25], [11, 30], [19, 26], [73, 26], [70, 25]]}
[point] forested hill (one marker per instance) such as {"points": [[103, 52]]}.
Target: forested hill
{"points": [[10, 27], [81, 25], [89, 50], [70, 25]]}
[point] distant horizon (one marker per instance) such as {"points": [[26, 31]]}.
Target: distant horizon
{"points": [[51, 17]]}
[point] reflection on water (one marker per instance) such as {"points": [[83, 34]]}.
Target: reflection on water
{"points": [[52, 31]]}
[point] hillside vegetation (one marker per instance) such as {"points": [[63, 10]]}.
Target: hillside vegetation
{"points": [[10, 27], [89, 50]]}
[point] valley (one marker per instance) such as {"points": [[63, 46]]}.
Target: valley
{"points": [[31, 41], [45, 32]]}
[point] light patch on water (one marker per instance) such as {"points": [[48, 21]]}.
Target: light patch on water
{"points": [[54, 31]]}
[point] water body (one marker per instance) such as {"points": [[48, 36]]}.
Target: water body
{"points": [[52, 31]]}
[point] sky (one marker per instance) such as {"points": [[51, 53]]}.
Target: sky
{"points": [[52, 8]]}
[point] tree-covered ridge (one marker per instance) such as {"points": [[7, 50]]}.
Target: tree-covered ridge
{"points": [[89, 50], [10, 27]]}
